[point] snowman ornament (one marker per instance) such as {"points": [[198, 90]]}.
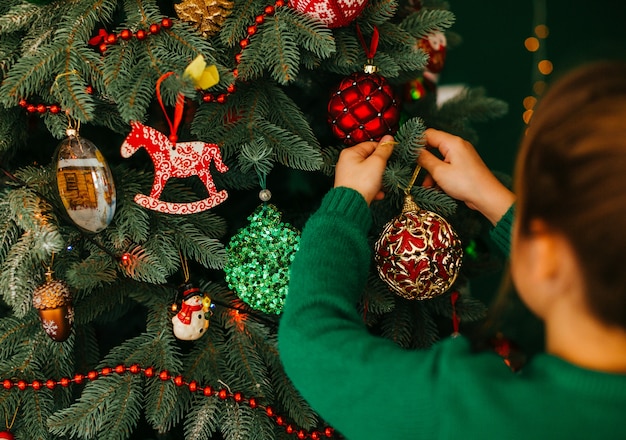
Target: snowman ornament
{"points": [[191, 322]]}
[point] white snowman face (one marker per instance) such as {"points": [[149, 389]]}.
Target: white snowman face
{"points": [[194, 300]]}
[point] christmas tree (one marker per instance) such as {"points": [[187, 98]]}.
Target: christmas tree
{"points": [[158, 161]]}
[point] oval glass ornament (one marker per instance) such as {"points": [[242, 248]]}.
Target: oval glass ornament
{"points": [[85, 183]]}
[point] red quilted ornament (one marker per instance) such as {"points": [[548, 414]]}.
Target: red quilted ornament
{"points": [[364, 106], [418, 254], [334, 13]]}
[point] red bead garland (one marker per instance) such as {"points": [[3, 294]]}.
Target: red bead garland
{"points": [[104, 39], [269, 10], [179, 381]]}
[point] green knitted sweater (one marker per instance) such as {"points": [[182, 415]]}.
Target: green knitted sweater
{"points": [[367, 387]]}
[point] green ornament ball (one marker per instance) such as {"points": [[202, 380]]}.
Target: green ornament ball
{"points": [[259, 256]]}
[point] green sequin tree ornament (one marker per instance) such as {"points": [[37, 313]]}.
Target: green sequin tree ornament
{"points": [[259, 257]]}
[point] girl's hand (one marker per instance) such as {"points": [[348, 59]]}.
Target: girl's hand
{"points": [[361, 167], [463, 175]]}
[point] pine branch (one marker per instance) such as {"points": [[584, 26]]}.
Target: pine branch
{"points": [[256, 155], [108, 409], [197, 246], [290, 399], [92, 272], [131, 222], [163, 247], [243, 14], [9, 231], [377, 298], [472, 105], [434, 200], [246, 370], [16, 280], [161, 401], [38, 405], [13, 350], [142, 12], [309, 33], [290, 149], [378, 12], [28, 73], [423, 326], [11, 134], [203, 419], [348, 56], [242, 422], [410, 138], [9, 51], [56, 124], [290, 116], [19, 17], [136, 89], [426, 21], [397, 326]]}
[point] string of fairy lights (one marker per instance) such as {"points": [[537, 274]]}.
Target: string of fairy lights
{"points": [[542, 67]]}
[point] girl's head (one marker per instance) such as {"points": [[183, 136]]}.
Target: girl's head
{"points": [[571, 178]]}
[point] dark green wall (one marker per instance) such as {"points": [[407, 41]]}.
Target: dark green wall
{"points": [[492, 55]]}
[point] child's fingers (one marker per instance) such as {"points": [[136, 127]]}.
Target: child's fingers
{"points": [[363, 150], [384, 148], [440, 140], [428, 181], [429, 161]]}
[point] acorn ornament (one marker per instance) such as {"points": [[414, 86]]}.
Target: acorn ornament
{"points": [[364, 107], [418, 253], [53, 301]]}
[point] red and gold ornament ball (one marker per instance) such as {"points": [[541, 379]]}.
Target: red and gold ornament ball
{"points": [[418, 254], [333, 13], [363, 108]]}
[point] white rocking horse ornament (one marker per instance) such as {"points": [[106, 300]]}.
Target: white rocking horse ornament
{"points": [[175, 159]]}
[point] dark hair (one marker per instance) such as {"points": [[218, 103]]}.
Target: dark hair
{"points": [[571, 173]]}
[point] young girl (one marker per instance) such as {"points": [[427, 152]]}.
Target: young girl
{"points": [[567, 253]]}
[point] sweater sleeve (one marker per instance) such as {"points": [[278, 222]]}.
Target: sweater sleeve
{"points": [[501, 232], [343, 371]]}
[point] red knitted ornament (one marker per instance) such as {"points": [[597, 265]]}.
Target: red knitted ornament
{"points": [[418, 254], [334, 13], [364, 106], [435, 46]]}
